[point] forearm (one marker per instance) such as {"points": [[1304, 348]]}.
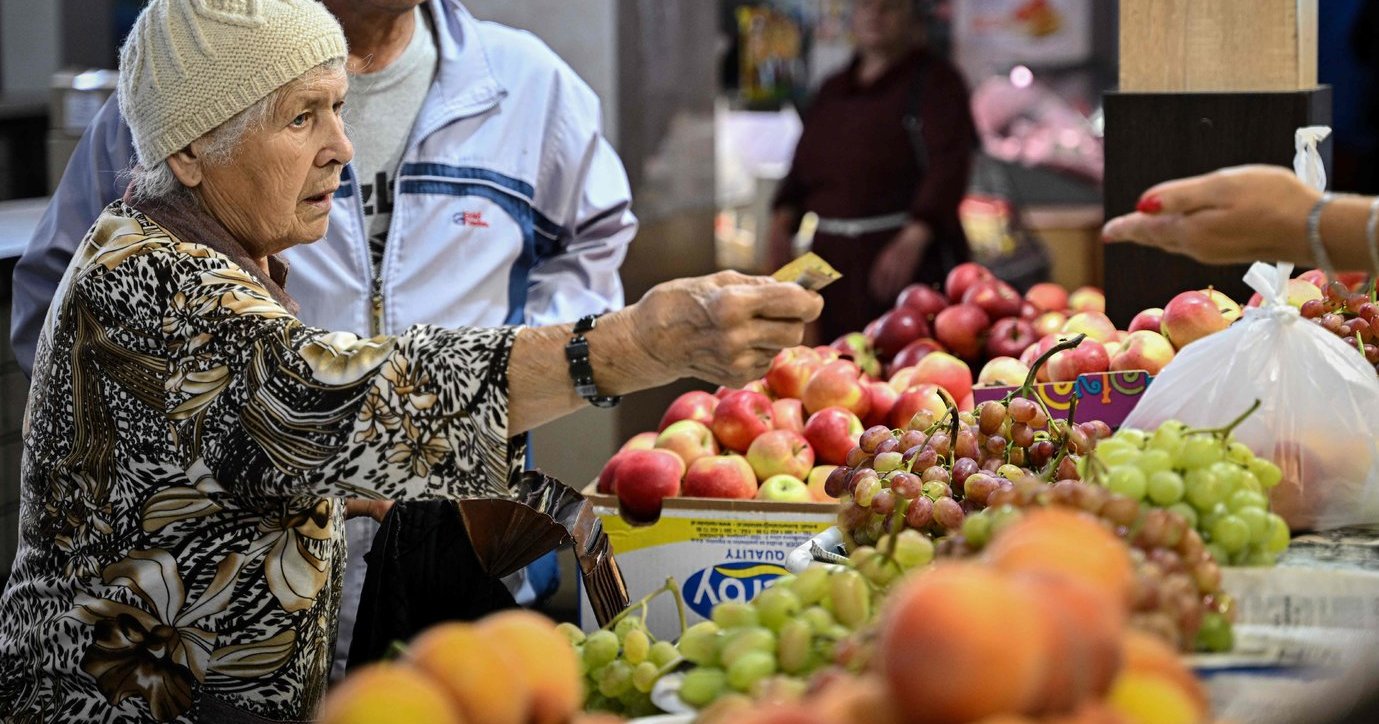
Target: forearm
{"points": [[539, 384]]}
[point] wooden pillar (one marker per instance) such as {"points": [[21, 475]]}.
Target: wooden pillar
{"points": [[1203, 84]]}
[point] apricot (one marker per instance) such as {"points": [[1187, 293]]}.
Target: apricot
{"points": [[544, 658], [1147, 654], [1069, 542], [476, 674], [864, 700], [1086, 646], [388, 694], [958, 642]]}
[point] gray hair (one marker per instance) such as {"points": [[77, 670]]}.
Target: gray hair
{"points": [[157, 181]]}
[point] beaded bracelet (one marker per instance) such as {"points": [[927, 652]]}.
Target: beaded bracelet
{"points": [[1314, 235], [1371, 227]]}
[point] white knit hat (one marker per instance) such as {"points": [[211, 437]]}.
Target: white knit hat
{"points": [[190, 65]]}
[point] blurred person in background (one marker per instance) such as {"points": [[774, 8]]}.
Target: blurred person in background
{"points": [[482, 192], [883, 160]]}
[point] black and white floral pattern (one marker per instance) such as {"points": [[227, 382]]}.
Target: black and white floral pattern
{"points": [[186, 446]]}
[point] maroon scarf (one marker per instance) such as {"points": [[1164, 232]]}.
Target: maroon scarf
{"points": [[185, 219]]}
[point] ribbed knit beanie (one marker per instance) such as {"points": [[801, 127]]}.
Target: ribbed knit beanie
{"points": [[190, 65]]}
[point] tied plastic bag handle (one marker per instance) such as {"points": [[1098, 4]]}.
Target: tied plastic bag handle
{"points": [[1307, 162], [1272, 284]]}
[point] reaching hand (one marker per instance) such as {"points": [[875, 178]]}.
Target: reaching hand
{"points": [[1238, 214]]}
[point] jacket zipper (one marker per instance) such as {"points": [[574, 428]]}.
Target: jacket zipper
{"points": [[375, 280]]}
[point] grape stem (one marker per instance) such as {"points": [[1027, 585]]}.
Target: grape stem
{"points": [[641, 605], [952, 414], [1225, 431]]}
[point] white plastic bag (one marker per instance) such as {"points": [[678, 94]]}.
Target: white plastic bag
{"points": [[1319, 413]]}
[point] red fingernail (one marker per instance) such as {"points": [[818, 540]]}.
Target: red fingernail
{"points": [[1150, 205]]}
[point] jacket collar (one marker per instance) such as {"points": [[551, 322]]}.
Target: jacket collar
{"points": [[465, 83], [184, 219]]}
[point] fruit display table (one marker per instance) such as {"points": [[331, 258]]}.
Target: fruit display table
{"points": [[1306, 634]]}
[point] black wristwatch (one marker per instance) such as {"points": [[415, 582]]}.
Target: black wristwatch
{"points": [[581, 372]]}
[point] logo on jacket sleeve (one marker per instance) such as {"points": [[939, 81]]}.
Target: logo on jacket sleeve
{"points": [[470, 218], [736, 581]]}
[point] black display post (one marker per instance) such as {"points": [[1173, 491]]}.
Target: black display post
{"points": [[1153, 137]]}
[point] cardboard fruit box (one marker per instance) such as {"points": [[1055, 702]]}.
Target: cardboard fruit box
{"points": [[715, 549], [1105, 396]]}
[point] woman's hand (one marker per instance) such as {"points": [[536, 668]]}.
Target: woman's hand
{"points": [[896, 264], [1238, 214], [725, 328]]}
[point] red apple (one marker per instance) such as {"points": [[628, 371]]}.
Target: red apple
{"points": [[1316, 276], [826, 354], [1029, 311], [791, 369], [740, 418], [1087, 299], [1143, 350], [1256, 300], [780, 452], [1031, 354], [788, 413], [967, 403], [610, 469], [836, 384], [721, 476], [1049, 323], [695, 405], [1300, 290], [1086, 358], [640, 441], [923, 396], [914, 352], [851, 346], [759, 387], [897, 328], [1227, 306], [1002, 372], [1095, 325], [1189, 317], [1048, 297], [923, 299], [1149, 319], [784, 489], [960, 328], [833, 433], [689, 439], [1112, 347], [946, 371], [722, 392], [998, 299], [1035, 352], [882, 398], [1009, 337], [962, 277], [815, 482], [643, 479]]}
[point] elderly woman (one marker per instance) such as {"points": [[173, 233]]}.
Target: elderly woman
{"points": [[189, 442]]}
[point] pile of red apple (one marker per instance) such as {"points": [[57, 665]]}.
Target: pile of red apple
{"points": [[779, 437]]}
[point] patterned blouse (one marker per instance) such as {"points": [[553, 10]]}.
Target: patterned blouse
{"points": [[185, 445]]}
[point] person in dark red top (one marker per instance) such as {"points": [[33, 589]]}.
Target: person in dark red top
{"points": [[888, 211]]}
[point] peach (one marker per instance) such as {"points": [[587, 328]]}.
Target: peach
{"points": [[1066, 542], [943, 659], [474, 674], [1087, 643], [388, 693], [544, 658]]}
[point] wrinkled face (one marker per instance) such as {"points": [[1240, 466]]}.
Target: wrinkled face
{"points": [[882, 25], [275, 191]]}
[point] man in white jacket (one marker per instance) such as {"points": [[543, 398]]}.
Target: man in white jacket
{"points": [[483, 192]]}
